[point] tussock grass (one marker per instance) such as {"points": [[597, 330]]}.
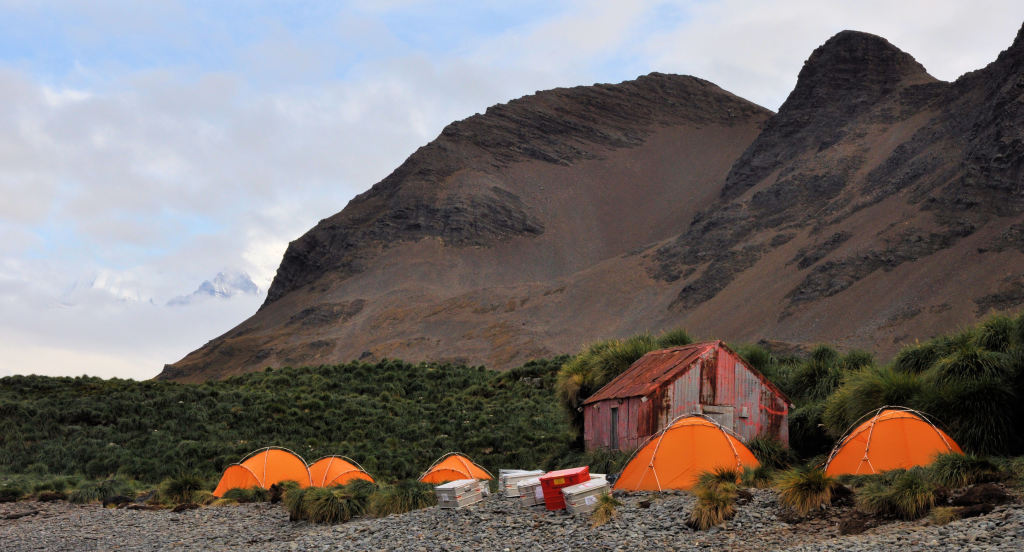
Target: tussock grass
{"points": [[960, 470], [11, 493], [865, 390], [760, 477], [719, 477], [404, 496], [221, 502], [180, 489], [244, 496], [605, 510], [98, 491], [771, 452], [941, 515], [804, 489], [714, 505], [910, 496]]}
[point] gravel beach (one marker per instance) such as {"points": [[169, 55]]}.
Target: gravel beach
{"points": [[495, 524]]}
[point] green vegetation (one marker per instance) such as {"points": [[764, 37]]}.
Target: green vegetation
{"points": [[904, 494], [605, 510], [716, 498], [340, 503], [960, 470], [804, 489], [181, 489], [394, 418], [582, 375]]}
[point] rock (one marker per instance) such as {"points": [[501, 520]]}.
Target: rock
{"points": [[984, 493]]}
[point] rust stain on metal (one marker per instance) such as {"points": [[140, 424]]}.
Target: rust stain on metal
{"points": [[664, 384]]}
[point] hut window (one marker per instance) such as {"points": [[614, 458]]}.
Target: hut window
{"points": [[614, 440]]}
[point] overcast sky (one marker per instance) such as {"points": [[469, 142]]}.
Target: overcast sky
{"points": [[147, 146]]}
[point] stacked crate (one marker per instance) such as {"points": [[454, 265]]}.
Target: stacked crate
{"points": [[530, 493], [510, 481], [553, 482], [582, 498], [458, 494]]}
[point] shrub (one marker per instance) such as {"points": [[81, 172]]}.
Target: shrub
{"points": [[330, 504], [818, 376], [804, 489], [866, 390], [967, 362], [11, 493], [180, 489], [99, 491], [719, 477], [917, 358], [404, 496], [674, 338], [771, 452], [909, 496], [941, 515], [997, 333], [960, 470], [605, 510], [760, 477], [252, 494], [714, 505]]}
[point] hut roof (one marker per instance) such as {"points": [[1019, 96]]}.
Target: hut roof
{"points": [[655, 368]]}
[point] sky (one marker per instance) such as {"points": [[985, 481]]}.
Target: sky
{"points": [[146, 147]]}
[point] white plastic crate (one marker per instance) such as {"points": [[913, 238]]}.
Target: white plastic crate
{"points": [[458, 494]]}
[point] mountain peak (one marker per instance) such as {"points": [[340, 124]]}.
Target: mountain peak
{"points": [[856, 67]]}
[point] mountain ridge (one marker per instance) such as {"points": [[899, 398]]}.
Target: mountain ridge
{"points": [[570, 215]]}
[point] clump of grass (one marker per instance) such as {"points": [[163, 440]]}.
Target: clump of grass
{"points": [[714, 505], [720, 476], [605, 510], [674, 338], [252, 494], [771, 452], [404, 496], [331, 505], [180, 489], [98, 491], [942, 515], [11, 493], [221, 502], [203, 497], [335, 504], [804, 489], [909, 496], [960, 470], [759, 478]]}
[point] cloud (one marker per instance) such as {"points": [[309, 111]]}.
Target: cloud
{"points": [[159, 147]]}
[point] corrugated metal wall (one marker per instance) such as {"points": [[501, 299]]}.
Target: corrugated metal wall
{"points": [[720, 380]]}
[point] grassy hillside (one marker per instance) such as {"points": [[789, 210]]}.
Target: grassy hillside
{"points": [[394, 418]]}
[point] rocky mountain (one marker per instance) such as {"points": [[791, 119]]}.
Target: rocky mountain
{"points": [[879, 205]]}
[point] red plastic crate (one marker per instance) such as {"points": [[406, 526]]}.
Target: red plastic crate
{"points": [[551, 484]]}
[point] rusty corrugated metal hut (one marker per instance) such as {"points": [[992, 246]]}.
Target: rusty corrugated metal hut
{"points": [[702, 378]]}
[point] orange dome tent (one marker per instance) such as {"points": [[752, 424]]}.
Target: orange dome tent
{"points": [[452, 467], [674, 458], [892, 438], [266, 466], [236, 476], [336, 470]]}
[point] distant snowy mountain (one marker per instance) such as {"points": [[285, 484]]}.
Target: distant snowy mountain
{"points": [[224, 285]]}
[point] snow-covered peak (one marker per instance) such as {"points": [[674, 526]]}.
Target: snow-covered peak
{"points": [[223, 285]]}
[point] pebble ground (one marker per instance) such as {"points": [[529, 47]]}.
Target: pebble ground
{"points": [[495, 524]]}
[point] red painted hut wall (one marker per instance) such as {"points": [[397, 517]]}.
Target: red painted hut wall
{"points": [[716, 383]]}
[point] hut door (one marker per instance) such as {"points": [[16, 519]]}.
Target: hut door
{"points": [[614, 439], [723, 415]]}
